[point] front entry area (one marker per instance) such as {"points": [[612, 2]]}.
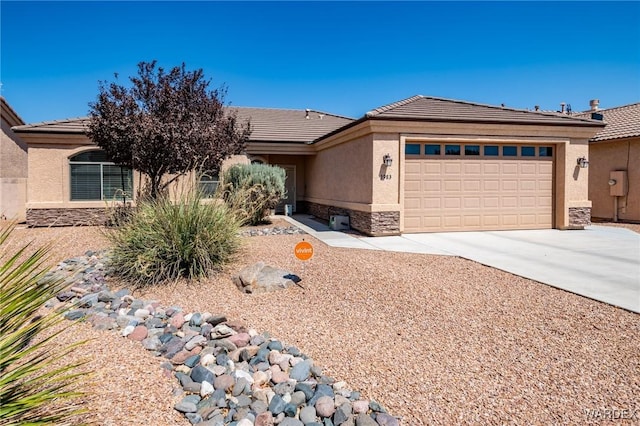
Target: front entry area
{"points": [[290, 187], [472, 187]]}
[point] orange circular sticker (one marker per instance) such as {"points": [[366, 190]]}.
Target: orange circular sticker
{"points": [[303, 250]]}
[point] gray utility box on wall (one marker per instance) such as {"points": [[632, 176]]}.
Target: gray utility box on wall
{"points": [[338, 223]]}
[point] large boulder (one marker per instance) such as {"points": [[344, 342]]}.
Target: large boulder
{"points": [[261, 278]]}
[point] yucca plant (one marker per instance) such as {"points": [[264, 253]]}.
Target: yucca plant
{"points": [[36, 386]]}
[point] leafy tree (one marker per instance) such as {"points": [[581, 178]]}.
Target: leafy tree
{"points": [[165, 123]]}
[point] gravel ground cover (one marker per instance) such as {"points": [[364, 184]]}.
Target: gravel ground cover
{"points": [[632, 226], [436, 340]]}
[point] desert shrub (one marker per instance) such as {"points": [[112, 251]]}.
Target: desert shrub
{"points": [[37, 386], [253, 189], [163, 240]]}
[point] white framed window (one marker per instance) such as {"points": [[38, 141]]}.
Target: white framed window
{"points": [[94, 177]]}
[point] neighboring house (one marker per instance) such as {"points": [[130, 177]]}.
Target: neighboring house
{"points": [[13, 166], [423, 164], [614, 155]]}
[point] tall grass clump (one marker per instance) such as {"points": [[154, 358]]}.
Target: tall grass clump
{"points": [[163, 239], [37, 386], [253, 189]]}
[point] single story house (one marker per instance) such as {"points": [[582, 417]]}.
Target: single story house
{"points": [[423, 164], [13, 166], [614, 154]]}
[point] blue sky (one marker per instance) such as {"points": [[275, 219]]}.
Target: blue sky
{"points": [[340, 57]]}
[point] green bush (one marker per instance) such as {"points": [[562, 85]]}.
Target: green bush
{"points": [[163, 240], [34, 388], [253, 189]]}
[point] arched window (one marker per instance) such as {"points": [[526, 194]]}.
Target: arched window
{"points": [[95, 177]]}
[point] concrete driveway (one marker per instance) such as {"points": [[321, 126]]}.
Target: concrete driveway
{"points": [[600, 262]]}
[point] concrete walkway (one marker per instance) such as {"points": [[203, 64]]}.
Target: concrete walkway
{"points": [[602, 263]]}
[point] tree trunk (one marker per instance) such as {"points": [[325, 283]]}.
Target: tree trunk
{"points": [[155, 187]]}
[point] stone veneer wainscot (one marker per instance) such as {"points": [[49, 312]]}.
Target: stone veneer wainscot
{"points": [[370, 223], [66, 217]]}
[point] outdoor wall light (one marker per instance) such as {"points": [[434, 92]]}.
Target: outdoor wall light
{"points": [[612, 182], [583, 162], [387, 160]]}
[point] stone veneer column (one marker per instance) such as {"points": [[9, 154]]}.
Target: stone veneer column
{"points": [[579, 217]]}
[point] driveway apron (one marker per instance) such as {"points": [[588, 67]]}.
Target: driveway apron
{"points": [[602, 263]]}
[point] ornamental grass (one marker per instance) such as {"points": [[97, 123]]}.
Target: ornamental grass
{"points": [[163, 240]]}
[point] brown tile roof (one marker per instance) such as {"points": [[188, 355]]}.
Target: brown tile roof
{"points": [[439, 109], [622, 122], [68, 125], [8, 114], [268, 125], [289, 125]]}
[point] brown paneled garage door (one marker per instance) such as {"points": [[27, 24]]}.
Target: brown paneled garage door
{"points": [[459, 187]]}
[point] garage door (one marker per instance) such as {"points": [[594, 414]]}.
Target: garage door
{"points": [[451, 187]]}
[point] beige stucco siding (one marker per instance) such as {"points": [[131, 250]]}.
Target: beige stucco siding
{"points": [[50, 178], [13, 198], [50, 181], [342, 174], [578, 190], [13, 172], [13, 154], [386, 180], [605, 157], [571, 181]]}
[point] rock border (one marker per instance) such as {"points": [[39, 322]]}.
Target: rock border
{"points": [[229, 375]]}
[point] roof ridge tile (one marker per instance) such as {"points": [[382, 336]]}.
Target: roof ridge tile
{"points": [[390, 106], [291, 110]]}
